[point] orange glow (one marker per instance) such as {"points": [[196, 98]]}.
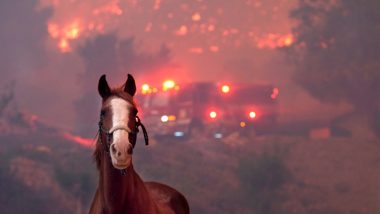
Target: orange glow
{"points": [[172, 118], [242, 124], [198, 24], [182, 31], [72, 33], [53, 30], [213, 114], [64, 34], [70, 30], [166, 118], [157, 4], [288, 41], [252, 115], [214, 48], [272, 41], [225, 89], [64, 46], [73, 20], [168, 84], [145, 88], [211, 28], [196, 50], [77, 139], [196, 17]]}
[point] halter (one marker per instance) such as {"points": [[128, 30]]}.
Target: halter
{"points": [[132, 134]]}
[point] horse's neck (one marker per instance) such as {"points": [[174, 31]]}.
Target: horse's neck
{"points": [[123, 192]]}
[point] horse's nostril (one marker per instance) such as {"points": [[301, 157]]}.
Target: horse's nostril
{"points": [[118, 154], [113, 149]]}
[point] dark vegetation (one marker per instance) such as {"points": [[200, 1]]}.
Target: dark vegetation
{"points": [[45, 173], [262, 177], [336, 54]]}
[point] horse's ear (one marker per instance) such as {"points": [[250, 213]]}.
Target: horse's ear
{"points": [[130, 85], [103, 88]]}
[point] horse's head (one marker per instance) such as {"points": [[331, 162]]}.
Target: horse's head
{"points": [[118, 123]]}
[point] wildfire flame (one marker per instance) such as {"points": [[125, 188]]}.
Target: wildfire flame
{"points": [[79, 19], [78, 139], [196, 23], [272, 41]]}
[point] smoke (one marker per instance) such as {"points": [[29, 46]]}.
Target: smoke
{"points": [[56, 50], [22, 37], [12, 120], [72, 20], [107, 54], [6, 97], [22, 55]]}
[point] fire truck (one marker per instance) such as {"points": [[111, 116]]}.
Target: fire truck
{"points": [[208, 109]]}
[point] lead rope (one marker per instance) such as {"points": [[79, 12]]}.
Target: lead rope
{"points": [[138, 123]]}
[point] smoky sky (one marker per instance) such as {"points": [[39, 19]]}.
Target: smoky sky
{"points": [[192, 40], [22, 52], [50, 84], [22, 37], [106, 54]]}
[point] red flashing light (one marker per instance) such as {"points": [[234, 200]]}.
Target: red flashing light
{"points": [[225, 89], [252, 114], [213, 114]]}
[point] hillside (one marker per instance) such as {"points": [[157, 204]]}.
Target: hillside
{"points": [[42, 174], [49, 174]]}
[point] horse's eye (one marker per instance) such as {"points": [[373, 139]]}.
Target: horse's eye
{"points": [[135, 111], [110, 137]]}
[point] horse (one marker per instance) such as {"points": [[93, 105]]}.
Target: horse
{"points": [[120, 189]]}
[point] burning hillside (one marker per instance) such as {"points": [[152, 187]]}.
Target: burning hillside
{"points": [[73, 21]]}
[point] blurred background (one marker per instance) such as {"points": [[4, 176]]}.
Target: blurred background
{"points": [[252, 106]]}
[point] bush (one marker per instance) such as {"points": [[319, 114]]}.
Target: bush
{"points": [[262, 178]]}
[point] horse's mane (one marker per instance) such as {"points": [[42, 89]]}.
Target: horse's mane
{"points": [[97, 152], [119, 92]]}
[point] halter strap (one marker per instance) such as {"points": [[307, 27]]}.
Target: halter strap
{"points": [[120, 127], [127, 129]]}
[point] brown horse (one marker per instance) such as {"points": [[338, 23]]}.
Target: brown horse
{"points": [[120, 189]]}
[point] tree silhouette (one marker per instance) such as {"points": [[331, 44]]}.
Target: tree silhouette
{"points": [[336, 53]]}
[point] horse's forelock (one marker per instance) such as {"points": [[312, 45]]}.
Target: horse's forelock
{"points": [[119, 92]]}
